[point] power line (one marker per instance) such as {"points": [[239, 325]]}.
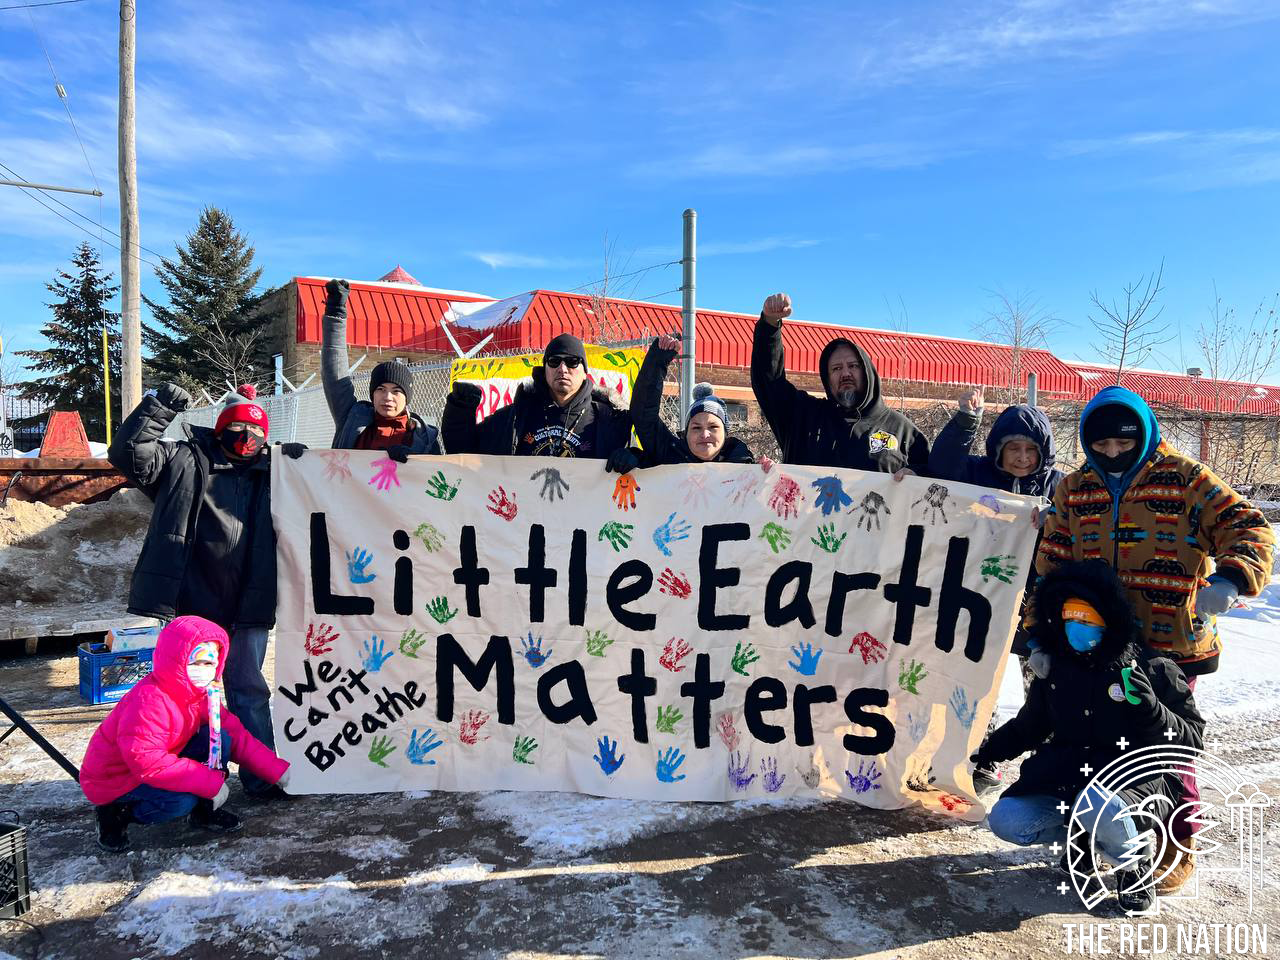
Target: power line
{"points": [[622, 276], [47, 3], [62, 95]]}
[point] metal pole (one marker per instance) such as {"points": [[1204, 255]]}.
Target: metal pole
{"points": [[106, 382], [279, 359], [1031, 389], [130, 262], [45, 186], [20, 723], [689, 313]]}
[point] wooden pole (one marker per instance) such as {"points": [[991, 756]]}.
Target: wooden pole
{"points": [[106, 381], [130, 262]]}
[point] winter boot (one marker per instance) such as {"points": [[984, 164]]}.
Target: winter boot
{"points": [[986, 779], [113, 822], [270, 795], [215, 821], [1134, 887], [1174, 879], [1093, 889]]}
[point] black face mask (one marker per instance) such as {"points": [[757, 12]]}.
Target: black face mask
{"points": [[240, 444], [1117, 464]]}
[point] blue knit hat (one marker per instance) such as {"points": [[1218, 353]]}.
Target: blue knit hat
{"points": [[705, 401]]}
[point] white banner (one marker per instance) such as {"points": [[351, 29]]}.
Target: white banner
{"points": [[708, 632]]}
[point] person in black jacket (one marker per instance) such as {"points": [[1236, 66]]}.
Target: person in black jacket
{"points": [[210, 550], [384, 421], [705, 437], [1105, 695], [556, 413], [851, 426]]}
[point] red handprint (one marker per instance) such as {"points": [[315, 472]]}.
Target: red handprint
{"points": [[320, 638], [952, 802], [675, 651], [729, 735], [785, 497], [469, 727], [502, 505], [674, 584], [872, 650]]}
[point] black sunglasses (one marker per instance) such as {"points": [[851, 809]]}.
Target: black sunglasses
{"points": [[570, 362]]}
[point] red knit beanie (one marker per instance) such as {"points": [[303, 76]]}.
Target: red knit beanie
{"points": [[241, 408]]}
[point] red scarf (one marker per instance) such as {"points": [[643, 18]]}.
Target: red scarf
{"points": [[386, 432]]}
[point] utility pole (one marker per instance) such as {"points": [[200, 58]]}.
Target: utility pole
{"points": [[130, 256], [689, 313]]}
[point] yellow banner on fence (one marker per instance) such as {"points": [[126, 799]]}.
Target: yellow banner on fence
{"points": [[609, 368]]}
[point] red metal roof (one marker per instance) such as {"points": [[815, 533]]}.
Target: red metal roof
{"points": [[398, 275], [385, 317], [1181, 391]]}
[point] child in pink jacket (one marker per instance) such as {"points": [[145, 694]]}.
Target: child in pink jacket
{"points": [[162, 752]]}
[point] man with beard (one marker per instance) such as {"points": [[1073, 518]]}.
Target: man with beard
{"points": [[851, 426]]}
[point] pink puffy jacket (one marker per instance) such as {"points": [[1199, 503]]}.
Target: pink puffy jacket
{"points": [[141, 737]]}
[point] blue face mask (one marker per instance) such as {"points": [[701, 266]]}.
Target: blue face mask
{"points": [[1083, 637]]}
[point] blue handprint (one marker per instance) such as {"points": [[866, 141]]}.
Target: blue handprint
{"points": [[831, 495], [375, 654], [670, 532], [532, 650], [668, 763], [419, 747], [964, 710], [917, 727], [862, 782], [808, 660], [607, 757], [356, 566], [738, 771]]}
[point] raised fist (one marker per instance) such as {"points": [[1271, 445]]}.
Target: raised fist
{"points": [[970, 401], [335, 299], [467, 394], [173, 396], [668, 342], [776, 307]]}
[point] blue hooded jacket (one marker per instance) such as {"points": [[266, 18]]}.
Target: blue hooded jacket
{"points": [[1120, 397], [949, 458]]}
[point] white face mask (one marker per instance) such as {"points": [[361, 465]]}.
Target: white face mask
{"points": [[201, 674]]}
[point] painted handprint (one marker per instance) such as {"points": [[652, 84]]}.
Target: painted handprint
{"points": [[964, 710], [806, 662], [742, 487], [597, 641], [827, 539], [917, 726], [385, 476], [872, 650], [554, 486], [439, 610], [934, 501], [778, 537], [868, 510], [675, 651], [831, 495], [785, 498], [862, 781], [727, 732], [625, 489], [668, 763], [320, 639], [910, 674], [1003, 568], [769, 776], [337, 464], [431, 538], [440, 488], [810, 774], [523, 749], [696, 495], [618, 535], [920, 776], [668, 717], [738, 772], [953, 802], [411, 642], [380, 749], [670, 532], [469, 726], [420, 746], [607, 757], [375, 654], [743, 657], [501, 505], [532, 651], [674, 584], [358, 565]]}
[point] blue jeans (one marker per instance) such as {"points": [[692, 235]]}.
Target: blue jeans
{"points": [[1035, 819], [154, 805], [248, 695]]}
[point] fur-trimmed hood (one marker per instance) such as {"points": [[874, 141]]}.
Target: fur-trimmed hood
{"points": [[1096, 583]]}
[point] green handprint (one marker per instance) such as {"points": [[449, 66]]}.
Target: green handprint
{"points": [[411, 643], [617, 534], [597, 640], [1003, 568], [910, 674], [668, 717], [524, 746], [431, 538], [779, 537], [438, 487], [743, 657], [439, 610], [380, 749], [826, 538]]}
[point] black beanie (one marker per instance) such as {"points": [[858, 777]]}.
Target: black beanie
{"points": [[1112, 420], [565, 345], [392, 371]]}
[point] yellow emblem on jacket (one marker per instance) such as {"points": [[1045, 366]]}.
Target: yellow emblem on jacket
{"points": [[881, 441]]}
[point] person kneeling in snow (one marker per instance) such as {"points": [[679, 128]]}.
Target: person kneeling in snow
{"points": [[162, 751], [1103, 688]]}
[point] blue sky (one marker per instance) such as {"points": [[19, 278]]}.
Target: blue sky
{"points": [[862, 156]]}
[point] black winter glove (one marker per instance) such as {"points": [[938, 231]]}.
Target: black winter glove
{"points": [[173, 397], [292, 450], [335, 301], [979, 759], [466, 394], [399, 453], [622, 460]]}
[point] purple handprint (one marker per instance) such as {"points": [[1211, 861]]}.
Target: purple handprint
{"points": [[862, 781], [385, 477], [771, 779], [738, 772]]}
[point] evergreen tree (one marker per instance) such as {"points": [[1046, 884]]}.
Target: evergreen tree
{"points": [[210, 332], [70, 368]]}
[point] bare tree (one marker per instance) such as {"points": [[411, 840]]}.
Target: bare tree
{"points": [[899, 319], [232, 356], [1021, 323], [1130, 326]]}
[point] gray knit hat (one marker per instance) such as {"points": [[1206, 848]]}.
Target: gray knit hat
{"points": [[392, 371], [705, 401]]}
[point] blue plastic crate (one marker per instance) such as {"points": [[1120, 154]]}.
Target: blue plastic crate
{"points": [[106, 676]]}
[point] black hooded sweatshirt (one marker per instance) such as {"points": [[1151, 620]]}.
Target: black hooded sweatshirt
{"points": [[819, 431]]}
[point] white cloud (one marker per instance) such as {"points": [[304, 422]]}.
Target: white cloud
{"points": [[1190, 159], [504, 260], [733, 159]]}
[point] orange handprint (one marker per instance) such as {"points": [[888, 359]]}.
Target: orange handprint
{"points": [[624, 491]]}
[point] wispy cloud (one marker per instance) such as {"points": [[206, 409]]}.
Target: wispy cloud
{"points": [[496, 259], [762, 245], [744, 160], [1189, 159]]}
